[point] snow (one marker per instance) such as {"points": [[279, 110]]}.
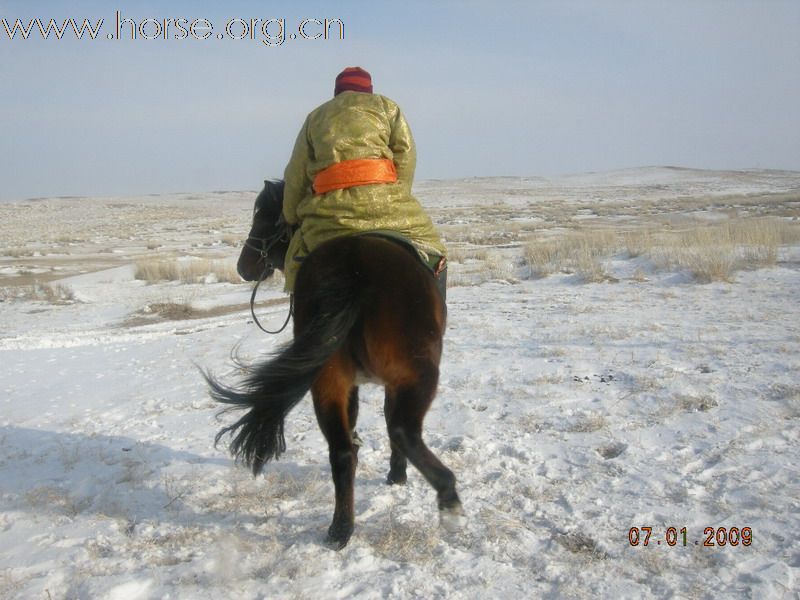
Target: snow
{"points": [[570, 413]]}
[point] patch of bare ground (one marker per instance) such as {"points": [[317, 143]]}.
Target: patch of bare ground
{"points": [[183, 311]]}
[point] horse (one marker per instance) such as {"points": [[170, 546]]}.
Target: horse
{"points": [[365, 309]]}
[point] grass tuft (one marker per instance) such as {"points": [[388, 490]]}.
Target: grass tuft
{"points": [[187, 271], [580, 252], [51, 293], [405, 542], [711, 252]]}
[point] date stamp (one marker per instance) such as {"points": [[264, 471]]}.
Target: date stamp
{"points": [[713, 537]]}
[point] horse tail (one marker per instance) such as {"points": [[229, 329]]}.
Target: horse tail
{"points": [[271, 390]]}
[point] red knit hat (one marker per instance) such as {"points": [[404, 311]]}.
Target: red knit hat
{"points": [[353, 79]]}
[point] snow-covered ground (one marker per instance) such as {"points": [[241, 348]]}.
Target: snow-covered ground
{"points": [[570, 412]]}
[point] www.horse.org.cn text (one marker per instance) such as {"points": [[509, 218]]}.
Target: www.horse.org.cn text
{"points": [[271, 32]]}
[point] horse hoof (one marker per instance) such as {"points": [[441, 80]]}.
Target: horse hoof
{"points": [[337, 544], [338, 536], [396, 479], [452, 518]]}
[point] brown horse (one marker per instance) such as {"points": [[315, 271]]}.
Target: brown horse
{"points": [[365, 307]]}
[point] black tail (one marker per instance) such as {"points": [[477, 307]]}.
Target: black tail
{"points": [[271, 390]]}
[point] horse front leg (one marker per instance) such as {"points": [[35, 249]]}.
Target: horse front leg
{"points": [[352, 414], [398, 464]]}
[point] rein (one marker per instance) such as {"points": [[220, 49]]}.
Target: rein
{"points": [[267, 243], [253, 310]]}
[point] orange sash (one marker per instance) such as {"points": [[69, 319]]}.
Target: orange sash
{"points": [[350, 173]]}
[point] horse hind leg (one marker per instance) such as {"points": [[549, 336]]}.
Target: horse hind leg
{"points": [[405, 409], [332, 393]]}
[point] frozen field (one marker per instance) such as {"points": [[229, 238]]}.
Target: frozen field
{"points": [[588, 387]]}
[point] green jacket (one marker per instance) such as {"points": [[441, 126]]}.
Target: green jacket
{"points": [[353, 125]]}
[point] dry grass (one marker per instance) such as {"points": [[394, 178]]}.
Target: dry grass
{"points": [[714, 252], [494, 228], [231, 240], [50, 498], [469, 267], [17, 252], [499, 267], [172, 311], [463, 255], [157, 270], [580, 252], [187, 271], [10, 583], [587, 423], [706, 256], [638, 243], [710, 251], [405, 542], [51, 293]]}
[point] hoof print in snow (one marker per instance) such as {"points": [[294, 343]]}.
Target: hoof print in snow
{"points": [[580, 543], [612, 450], [605, 378], [697, 403]]}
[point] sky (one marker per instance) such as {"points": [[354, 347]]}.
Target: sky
{"points": [[489, 88]]}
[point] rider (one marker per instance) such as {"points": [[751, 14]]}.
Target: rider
{"points": [[351, 172]]}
